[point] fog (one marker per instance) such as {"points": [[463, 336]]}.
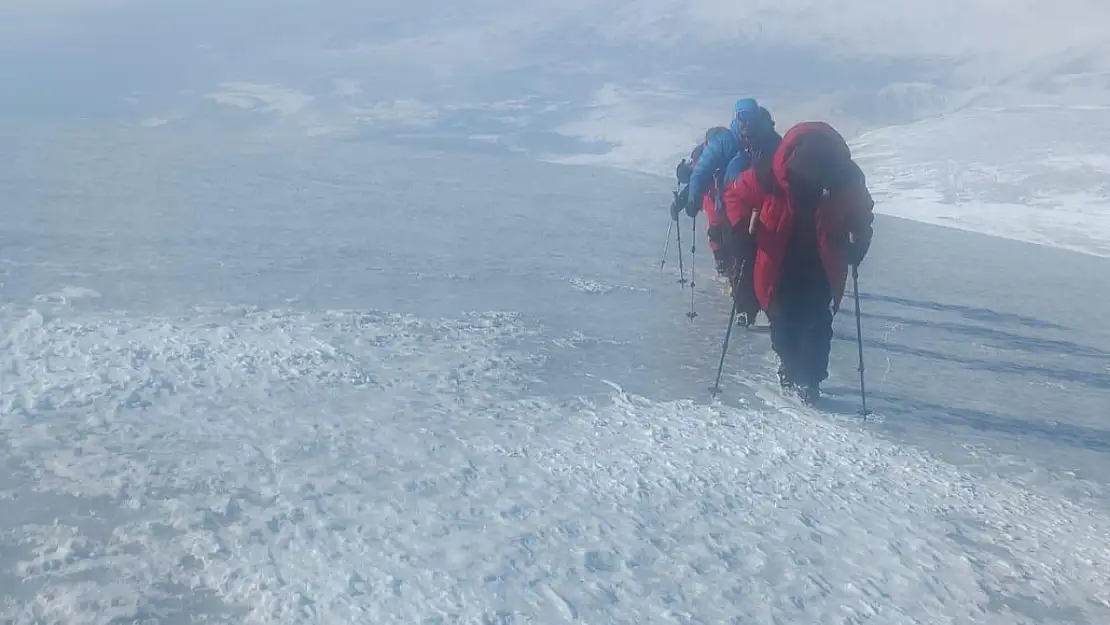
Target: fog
{"points": [[627, 82]]}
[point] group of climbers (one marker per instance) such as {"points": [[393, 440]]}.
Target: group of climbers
{"points": [[787, 217]]}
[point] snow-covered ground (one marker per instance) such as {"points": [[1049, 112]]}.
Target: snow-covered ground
{"points": [[292, 381]]}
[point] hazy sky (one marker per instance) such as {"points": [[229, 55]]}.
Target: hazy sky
{"points": [[566, 76]]}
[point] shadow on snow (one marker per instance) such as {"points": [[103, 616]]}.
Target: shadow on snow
{"points": [[1015, 347]]}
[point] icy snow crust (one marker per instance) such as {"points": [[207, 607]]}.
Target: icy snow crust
{"points": [[269, 466]]}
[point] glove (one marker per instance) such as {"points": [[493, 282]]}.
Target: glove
{"points": [[856, 251], [693, 208], [683, 171], [679, 203], [683, 197]]}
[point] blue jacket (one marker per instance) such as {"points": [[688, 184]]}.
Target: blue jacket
{"points": [[718, 154], [714, 159]]}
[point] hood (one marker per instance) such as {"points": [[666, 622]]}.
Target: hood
{"points": [[814, 152], [745, 104], [742, 105]]}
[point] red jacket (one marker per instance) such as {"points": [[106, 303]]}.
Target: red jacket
{"points": [[707, 199], [847, 210], [710, 207]]}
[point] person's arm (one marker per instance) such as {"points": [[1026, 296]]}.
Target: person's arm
{"points": [[860, 208], [712, 158], [743, 196]]}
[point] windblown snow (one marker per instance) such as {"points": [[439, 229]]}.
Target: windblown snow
{"points": [[274, 466]]}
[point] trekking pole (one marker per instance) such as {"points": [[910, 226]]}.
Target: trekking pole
{"points": [[863, 412], [693, 248], [716, 388], [666, 246], [681, 268], [670, 227]]}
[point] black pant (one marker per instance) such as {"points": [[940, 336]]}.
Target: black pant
{"points": [[743, 284], [801, 325], [723, 260]]}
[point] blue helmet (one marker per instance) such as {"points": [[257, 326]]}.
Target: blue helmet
{"points": [[746, 105], [751, 120]]}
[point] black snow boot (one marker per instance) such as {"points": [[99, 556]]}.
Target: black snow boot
{"points": [[785, 381], [724, 262], [811, 394], [746, 319]]}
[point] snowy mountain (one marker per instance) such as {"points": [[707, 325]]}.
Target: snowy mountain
{"points": [[299, 323], [620, 82]]}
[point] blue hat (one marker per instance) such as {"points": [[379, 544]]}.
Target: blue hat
{"points": [[758, 116], [746, 104]]}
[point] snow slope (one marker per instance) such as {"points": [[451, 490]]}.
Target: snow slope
{"points": [[623, 84], [284, 382], [1038, 174]]}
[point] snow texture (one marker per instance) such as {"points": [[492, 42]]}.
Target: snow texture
{"points": [[354, 467]]}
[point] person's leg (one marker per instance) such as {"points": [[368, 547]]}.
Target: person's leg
{"points": [[743, 285], [723, 260], [787, 319], [816, 334], [743, 291]]}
